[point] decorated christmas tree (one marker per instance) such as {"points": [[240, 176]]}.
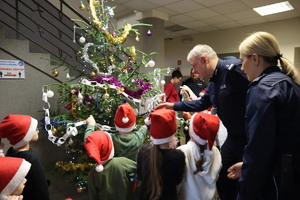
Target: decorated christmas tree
{"points": [[110, 77]]}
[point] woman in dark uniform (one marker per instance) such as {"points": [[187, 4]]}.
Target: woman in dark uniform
{"points": [[270, 168]]}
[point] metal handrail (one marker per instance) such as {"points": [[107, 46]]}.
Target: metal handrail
{"points": [[61, 46]]}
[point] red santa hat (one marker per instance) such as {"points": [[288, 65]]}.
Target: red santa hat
{"points": [[99, 146], [12, 173], [163, 125], [202, 93], [125, 118], [18, 129], [204, 128]]}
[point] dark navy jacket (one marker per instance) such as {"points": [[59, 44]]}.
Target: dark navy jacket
{"points": [[226, 91], [273, 129]]}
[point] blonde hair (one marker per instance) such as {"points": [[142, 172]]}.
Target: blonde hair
{"points": [[267, 46], [201, 50]]}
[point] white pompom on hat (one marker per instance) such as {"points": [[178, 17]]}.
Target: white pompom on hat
{"points": [[204, 128], [12, 173], [99, 146], [18, 129], [202, 93], [125, 118], [163, 125]]}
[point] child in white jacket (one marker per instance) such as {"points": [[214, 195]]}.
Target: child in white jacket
{"points": [[203, 159]]}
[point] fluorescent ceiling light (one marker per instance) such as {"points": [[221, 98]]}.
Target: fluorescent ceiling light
{"points": [[273, 8]]}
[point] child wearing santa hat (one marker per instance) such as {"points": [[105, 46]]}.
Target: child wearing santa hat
{"points": [[12, 177], [203, 159], [159, 167], [111, 178], [21, 131], [126, 141]]}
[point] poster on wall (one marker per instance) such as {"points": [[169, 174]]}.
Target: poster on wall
{"points": [[12, 69]]}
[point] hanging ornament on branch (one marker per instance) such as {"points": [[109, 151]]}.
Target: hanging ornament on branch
{"points": [[55, 73], [82, 39]]}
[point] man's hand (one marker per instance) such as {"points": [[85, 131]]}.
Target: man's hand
{"points": [[167, 105], [235, 171]]}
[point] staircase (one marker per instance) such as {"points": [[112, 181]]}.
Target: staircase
{"points": [[36, 46]]}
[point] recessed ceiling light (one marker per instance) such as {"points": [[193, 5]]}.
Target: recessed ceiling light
{"points": [[273, 8]]}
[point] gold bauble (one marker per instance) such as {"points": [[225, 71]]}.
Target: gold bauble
{"points": [[108, 110], [81, 7], [80, 189], [54, 131], [92, 55], [79, 53], [55, 73], [73, 91], [93, 74], [137, 39]]}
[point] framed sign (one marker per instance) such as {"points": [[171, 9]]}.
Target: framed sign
{"points": [[12, 69]]}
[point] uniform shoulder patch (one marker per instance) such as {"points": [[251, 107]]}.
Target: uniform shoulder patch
{"points": [[230, 67]]}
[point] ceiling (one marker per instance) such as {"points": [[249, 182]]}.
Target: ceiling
{"points": [[197, 16]]}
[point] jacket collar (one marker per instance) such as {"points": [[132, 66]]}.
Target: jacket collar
{"points": [[267, 71]]}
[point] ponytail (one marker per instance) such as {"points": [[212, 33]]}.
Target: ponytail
{"points": [[200, 161], [289, 69]]}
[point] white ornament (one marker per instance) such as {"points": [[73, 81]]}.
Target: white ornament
{"points": [[82, 39], [163, 82], [68, 76], [151, 63], [80, 97], [106, 96], [50, 94]]}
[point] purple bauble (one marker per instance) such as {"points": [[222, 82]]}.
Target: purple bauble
{"points": [[89, 98], [149, 33]]}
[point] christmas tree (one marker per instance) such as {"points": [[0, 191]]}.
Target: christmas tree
{"points": [[109, 78]]}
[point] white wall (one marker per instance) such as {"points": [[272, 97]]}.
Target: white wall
{"points": [[227, 41]]}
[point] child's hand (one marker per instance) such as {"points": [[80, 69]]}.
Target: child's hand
{"points": [[144, 126], [90, 121], [235, 171]]}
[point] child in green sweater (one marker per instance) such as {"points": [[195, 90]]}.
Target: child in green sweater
{"points": [[126, 141]]}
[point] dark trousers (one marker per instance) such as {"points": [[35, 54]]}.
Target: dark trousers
{"points": [[231, 152]]}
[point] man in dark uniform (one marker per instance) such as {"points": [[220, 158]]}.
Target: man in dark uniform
{"points": [[194, 83], [226, 91]]}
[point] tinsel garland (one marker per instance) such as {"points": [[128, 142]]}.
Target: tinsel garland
{"points": [[71, 167], [144, 86]]}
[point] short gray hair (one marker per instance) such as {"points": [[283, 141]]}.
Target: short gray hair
{"points": [[201, 50]]}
